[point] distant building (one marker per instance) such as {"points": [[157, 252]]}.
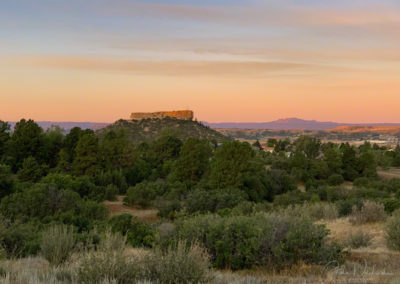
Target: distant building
{"points": [[179, 114]]}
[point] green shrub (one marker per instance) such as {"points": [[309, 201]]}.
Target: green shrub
{"points": [[358, 240], [21, 240], [305, 242], [390, 204], [239, 242], [335, 179], [213, 200], [290, 198], [143, 194], [345, 206], [362, 182], [370, 212], [368, 193], [111, 192], [57, 244], [392, 229], [114, 177], [137, 232], [92, 210]]}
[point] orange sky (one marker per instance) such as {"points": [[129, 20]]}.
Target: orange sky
{"points": [[227, 63]]}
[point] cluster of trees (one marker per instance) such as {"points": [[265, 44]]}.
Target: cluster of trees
{"points": [[309, 160]]}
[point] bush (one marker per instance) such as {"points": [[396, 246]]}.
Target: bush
{"points": [[180, 263], [362, 182], [345, 206], [358, 240], [322, 211], [20, 240], [201, 200], [290, 198], [111, 192], [393, 231], [370, 212], [239, 242], [143, 194], [138, 234], [391, 204], [57, 244], [335, 179], [108, 262]]}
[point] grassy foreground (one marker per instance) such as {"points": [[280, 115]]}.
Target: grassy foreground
{"points": [[368, 260]]}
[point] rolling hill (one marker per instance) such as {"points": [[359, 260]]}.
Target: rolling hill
{"points": [[149, 129]]}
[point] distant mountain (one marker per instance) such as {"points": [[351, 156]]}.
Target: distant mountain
{"points": [[67, 126], [393, 130], [292, 124], [150, 129]]}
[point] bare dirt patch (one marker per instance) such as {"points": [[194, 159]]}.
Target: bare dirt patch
{"points": [[390, 173], [118, 207]]}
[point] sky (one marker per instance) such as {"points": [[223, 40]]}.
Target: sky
{"points": [[228, 60]]}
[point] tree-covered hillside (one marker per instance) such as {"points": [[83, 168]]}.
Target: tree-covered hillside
{"points": [[146, 130]]}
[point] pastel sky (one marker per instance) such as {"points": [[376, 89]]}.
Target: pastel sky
{"points": [[228, 60]]}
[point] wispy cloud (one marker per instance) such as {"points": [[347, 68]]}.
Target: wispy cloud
{"points": [[384, 17], [169, 68], [258, 48]]}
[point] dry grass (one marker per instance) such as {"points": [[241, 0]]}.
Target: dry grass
{"points": [[375, 263], [118, 207], [341, 228], [389, 174]]}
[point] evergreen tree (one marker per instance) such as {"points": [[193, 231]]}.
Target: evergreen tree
{"points": [[193, 161], [86, 155], [6, 180], [27, 141], [31, 170], [4, 137], [349, 162]]}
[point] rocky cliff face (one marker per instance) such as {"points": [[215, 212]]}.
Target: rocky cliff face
{"points": [[180, 114]]}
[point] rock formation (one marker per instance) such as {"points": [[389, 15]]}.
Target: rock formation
{"points": [[180, 114]]}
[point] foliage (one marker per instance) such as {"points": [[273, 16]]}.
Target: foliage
{"points": [[370, 212], [20, 240], [179, 263], [57, 244], [244, 241], [26, 141], [4, 137], [358, 240], [201, 200], [137, 233], [31, 170], [335, 179], [193, 161], [392, 229], [6, 180], [86, 155], [144, 193], [147, 130], [108, 262]]}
